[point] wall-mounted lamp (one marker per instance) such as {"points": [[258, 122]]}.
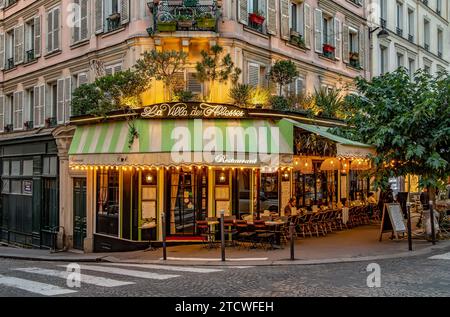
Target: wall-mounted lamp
{"points": [[383, 34]]}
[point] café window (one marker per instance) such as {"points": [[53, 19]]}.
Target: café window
{"points": [[359, 185], [108, 202], [243, 185], [269, 192], [14, 177]]}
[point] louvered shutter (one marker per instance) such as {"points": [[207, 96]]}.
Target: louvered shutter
{"points": [[50, 40], [98, 16], [125, 11], [243, 11], [253, 74], [60, 101], [37, 36], [16, 45], [2, 113], [15, 108], [44, 104], [117, 68], [2, 4], [299, 85], [67, 99], [284, 19], [318, 31], [307, 24], [84, 20], [8, 106], [362, 45], [82, 79], [272, 17], [2, 51], [77, 21], [193, 84], [20, 47], [56, 29], [109, 70], [27, 106], [36, 110], [346, 50], [18, 111], [338, 38]]}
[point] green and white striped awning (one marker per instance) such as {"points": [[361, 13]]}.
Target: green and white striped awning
{"points": [[163, 142]]}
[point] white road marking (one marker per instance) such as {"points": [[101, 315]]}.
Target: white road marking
{"points": [[445, 256], [88, 279], [168, 267], [34, 287], [113, 270], [216, 259]]}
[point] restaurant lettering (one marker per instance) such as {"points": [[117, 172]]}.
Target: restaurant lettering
{"points": [[223, 159], [192, 110]]}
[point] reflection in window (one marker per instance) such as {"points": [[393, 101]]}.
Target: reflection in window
{"points": [[108, 202], [243, 180], [269, 192]]}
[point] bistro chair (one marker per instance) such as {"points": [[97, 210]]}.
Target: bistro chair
{"points": [[264, 237], [205, 232], [302, 225], [244, 236]]}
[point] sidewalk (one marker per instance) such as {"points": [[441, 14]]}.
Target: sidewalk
{"points": [[359, 244]]}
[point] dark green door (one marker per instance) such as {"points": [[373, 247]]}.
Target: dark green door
{"points": [[79, 212]]}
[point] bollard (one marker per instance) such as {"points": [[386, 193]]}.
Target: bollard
{"points": [[222, 234], [433, 233], [408, 208], [163, 218], [291, 233]]}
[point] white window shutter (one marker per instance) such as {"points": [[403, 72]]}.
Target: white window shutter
{"points": [[117, 68], [109, 70], [21, 43], [82, 79], [36, 109], [37, 36], [16, 45], [67, 98], [8, 107], [18, 111], [84, 20], [253, 74], [43, 105], [98, 16], [299, 85], [318, 31], [346, 42], [76, 11], [26, 107], [60, 101], [50, 32], [338, 38], [2, 51], [2, 113], [284, 20], [125, 12], [243, 11], [272, 17], [15, 111], [56, 29], [2, 4], [307, 24], [362, 44]]}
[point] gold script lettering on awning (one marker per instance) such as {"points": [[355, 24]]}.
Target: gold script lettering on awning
{"points": [[194, 110]]}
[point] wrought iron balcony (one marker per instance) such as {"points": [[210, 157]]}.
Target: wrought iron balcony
{"points": [[9, 63], [30, 56], [184, 15], [113, 22], [383, 23], [427, 47], [411, 38], [400, 32]]}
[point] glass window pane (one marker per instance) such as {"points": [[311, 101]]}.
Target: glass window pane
{"points": [[16, 187], [53, 165], [5, 167], [5, 187], [46, 166], [15, 168], [28, 168]]}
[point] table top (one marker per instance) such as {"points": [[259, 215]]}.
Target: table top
{"points": [[213, 223]]}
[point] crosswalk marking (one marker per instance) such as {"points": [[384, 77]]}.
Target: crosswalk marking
{"points": [[445, 256], [113, 270], [34, 287], [88, 279], [168, 267]]}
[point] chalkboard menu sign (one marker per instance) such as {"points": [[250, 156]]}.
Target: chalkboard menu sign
{"points": [[392, 220]]}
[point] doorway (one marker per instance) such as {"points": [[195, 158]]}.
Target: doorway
{"points": [[79, 212]]}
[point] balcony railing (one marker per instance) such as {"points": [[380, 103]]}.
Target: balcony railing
{"points": [[427, 47], [30, 56], [411, 38], [184, 15], [383, 23], [9, 63], [440, 54], [113, 22], [400, 32]]}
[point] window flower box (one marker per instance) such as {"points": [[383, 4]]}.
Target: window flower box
{"points": [[50, 122], [256, 18], [327, 48], [297, 39], [354, 56], [28, 125], [170, 26], [206, 22], [8, 128]]}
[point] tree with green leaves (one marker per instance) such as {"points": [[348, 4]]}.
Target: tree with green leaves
{"points": [[215, 68], [162, 66], [283, 73], [408, 122]]}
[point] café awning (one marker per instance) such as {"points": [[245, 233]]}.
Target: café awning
{"points": [[345, 148], [165, 142]]}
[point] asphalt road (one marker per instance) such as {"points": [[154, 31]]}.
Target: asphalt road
{"points": [[412, 276]]}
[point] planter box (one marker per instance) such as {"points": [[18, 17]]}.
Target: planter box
{"points": [[166, 26], [185, 24], [327, 48], [206, 23], [256, 19]]}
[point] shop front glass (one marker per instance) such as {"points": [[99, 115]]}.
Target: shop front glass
{"points": [[108, 202], [269, 199]]}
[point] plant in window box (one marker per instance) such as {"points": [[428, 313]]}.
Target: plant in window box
{"points": [[114, 16], [206, 21], [185, 21], [166, 26], [50, 122], [256, 17], [328, 50], [8, 128], [354, 56], [28, 125], [297, 39]]}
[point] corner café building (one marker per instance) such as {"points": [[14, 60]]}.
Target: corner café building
{"points": [[190, 161]]}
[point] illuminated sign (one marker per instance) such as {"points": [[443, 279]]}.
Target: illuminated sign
{"points": [[192, 110], [228, 160]]}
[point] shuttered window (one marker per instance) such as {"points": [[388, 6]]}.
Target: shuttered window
{"points": [[18, 110], [80, 31], [193, 84], [2, 113], [64, 98], [82, 79], [18, 44], [53, 30], [253, 74], [39, 106]]}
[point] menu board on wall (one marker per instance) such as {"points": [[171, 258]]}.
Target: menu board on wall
{"points": [[222, 193], [285, 194], [149, 209], [149, 193], [223, 205]]}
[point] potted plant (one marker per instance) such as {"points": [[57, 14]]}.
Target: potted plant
{"points": [[354, 56], [206, 21], [28, 125], [166, 26], [8, 128], [256, 17], [114, 16], [184, 21], [50, 122], [297, 39], [327, 48]]}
